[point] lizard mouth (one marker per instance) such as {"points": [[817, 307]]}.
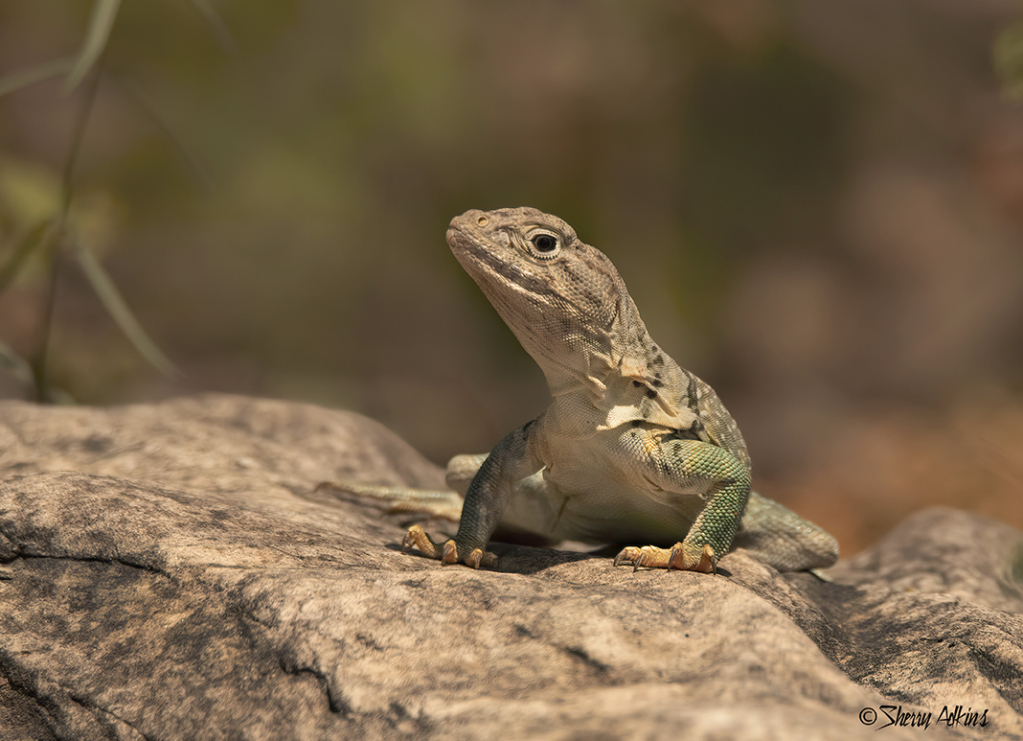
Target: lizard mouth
{"points": [[454, 234], [495, 261], [485, 264]]}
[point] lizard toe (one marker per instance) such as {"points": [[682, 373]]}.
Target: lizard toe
{"points": [[417, 537], [480, 558], [682, 556], [627, 555], [687, 558], [446, 553], [450, 553]]}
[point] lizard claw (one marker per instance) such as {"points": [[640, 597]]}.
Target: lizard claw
{"points": [[627, 555], [635, 556], [708, 560], [450, 553], [417, 537], [704, 565], [480, 558]]}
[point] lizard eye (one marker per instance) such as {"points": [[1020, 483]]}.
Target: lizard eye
{"points": [[545, 245]]}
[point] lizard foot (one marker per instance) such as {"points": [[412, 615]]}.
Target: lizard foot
{"points": [[445, 552], [680, 556]]}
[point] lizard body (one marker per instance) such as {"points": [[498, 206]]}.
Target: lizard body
{"points": [[634, 449]]}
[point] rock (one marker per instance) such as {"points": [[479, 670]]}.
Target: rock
{"points": [[168, 572]]}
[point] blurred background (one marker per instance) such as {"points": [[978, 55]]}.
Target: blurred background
{"points": [[818, 208]]}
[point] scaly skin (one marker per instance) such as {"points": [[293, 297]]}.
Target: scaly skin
{"points": [[633, 447]]}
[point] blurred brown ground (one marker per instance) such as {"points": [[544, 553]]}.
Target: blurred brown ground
{"points": [[817, 207]]}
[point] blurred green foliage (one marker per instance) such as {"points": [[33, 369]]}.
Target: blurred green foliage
{"points": [[1008, 61], [39, 215]]}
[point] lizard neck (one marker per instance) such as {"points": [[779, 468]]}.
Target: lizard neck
{"points": [[587, 356], [623, 375]]}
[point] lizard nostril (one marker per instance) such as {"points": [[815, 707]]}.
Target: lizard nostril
{"points": [[482, 220]]}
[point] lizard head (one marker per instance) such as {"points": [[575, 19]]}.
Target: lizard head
{"points": [[563, 299]]}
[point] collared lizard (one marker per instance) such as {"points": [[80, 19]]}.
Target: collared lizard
{"points": [[634, 449]]}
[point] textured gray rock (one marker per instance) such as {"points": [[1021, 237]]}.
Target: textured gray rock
{"points": [[167, 572]]}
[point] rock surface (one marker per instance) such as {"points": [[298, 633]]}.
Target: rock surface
{"points": [[168, 572]]}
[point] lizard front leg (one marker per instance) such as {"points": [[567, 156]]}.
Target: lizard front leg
{"points": [[510, 461], [686, 466]]}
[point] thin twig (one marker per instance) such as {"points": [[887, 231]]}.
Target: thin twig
{"points": [[56, 246]]}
